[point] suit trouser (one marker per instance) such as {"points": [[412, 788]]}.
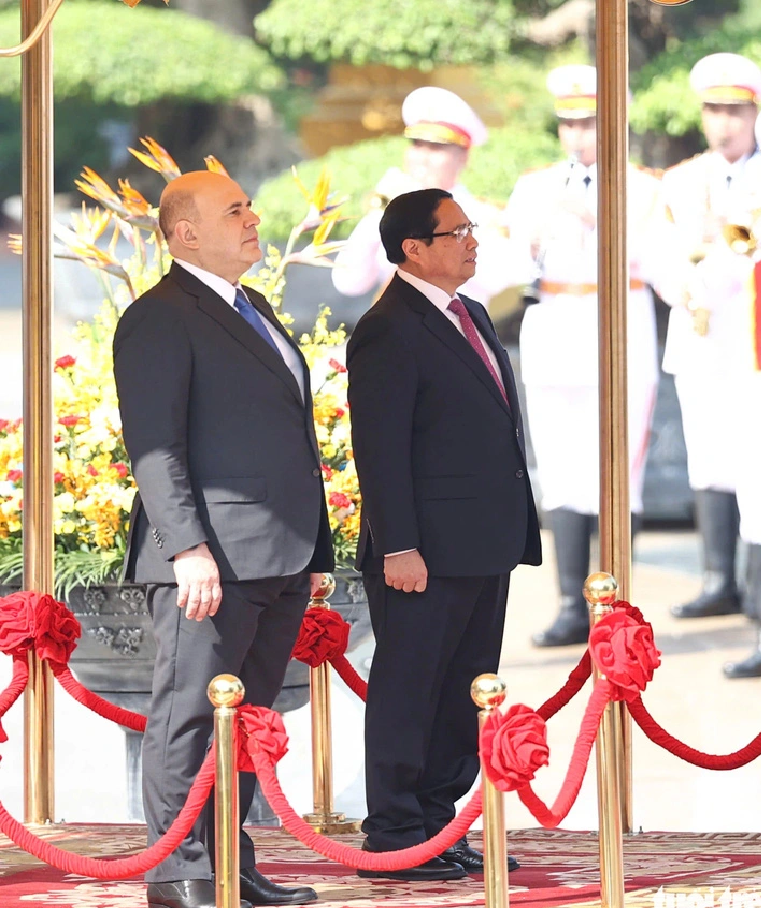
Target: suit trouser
{"points": [[421, 726], [251, 636]]}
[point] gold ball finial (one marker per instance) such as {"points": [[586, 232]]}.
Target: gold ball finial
{"points": [[488, 691], [226, 690], [324, 591], [601, 589]]}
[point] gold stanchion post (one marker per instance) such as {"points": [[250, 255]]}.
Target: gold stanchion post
{"points": [[226, 694], [600, 591], [613, 282], [37, 196], [324, 819], [488, 693]]}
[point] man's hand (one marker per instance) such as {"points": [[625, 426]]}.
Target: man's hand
{"points": [[315, 582], [406, 572], [198, 584]]}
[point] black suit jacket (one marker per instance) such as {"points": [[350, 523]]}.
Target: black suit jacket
{"points": [[440, 455], [222, 445]]}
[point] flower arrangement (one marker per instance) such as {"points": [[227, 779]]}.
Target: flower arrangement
{"points": [[94, 486]]}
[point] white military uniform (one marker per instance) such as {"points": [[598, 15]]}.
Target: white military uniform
{"points": [[362, 265], [705, 188], [559, 335], [439, 117]]}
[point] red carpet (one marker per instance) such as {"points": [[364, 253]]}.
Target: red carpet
{"points": [[558, 868]]}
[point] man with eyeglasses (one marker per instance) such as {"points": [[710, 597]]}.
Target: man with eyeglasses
{"points": [[442, 128], [447, 513]]}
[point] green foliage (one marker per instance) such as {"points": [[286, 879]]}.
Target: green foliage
{"points": [[420, 34], [663, 99], [354, 170], [108, 53]]}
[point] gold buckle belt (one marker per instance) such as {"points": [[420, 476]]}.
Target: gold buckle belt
{"points": [[581, 289]]}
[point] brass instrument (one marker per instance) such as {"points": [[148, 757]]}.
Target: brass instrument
{"points": [[740, 239]]}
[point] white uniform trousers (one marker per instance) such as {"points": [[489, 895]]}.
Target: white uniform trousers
{"points": [[564, 422], [706, 400], [746, 440]]}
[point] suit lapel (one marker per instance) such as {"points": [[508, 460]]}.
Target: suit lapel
{"points": [[236, 326], [436, 322]]}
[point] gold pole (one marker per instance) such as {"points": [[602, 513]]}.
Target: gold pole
{"points": [[324, 819], [488, 693], [600, 590], [226, 694], [37, 196], [613, 283]]}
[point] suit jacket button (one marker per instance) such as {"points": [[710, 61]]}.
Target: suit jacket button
{"points": [[519, 474], [315, 472]]}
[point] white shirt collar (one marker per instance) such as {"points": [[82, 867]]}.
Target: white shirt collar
{"points": [[440, 298], [216, 283]]}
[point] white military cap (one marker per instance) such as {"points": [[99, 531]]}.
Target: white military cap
{"points": [[575, 89], [436, 115], [726, 79]]}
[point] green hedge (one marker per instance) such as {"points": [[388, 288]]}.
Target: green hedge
{"points": [[420, 34], [109, 53], [354, 171]]}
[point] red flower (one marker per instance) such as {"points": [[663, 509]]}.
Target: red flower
{"points": [[69, 420], [336, 366], [91, 470], [57, 438], [339, 500], [64, 362], [122, 470], [4, 423], [58, 476], [339, 412], [56, 630], [327, 472], [36, 619], [260, 731], [324, 635], [14, 475], [624, 651], [514, 747]]}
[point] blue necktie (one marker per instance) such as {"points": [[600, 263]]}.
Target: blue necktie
{"points": [[248, 311]]}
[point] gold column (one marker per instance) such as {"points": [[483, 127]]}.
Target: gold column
{"points": [[600, 590], [226, 694], [37, 194], [324, 819], [488, 693], [613, 282]]}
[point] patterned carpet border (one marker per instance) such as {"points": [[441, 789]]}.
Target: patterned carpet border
{"points": [[558, 869]]}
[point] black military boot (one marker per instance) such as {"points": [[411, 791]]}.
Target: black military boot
{"points": [[572, 532], [718, 522], [750, 667]]}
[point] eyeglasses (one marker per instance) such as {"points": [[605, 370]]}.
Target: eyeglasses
{"points": [[459, 233]]}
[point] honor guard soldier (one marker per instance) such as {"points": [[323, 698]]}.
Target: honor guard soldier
{"points": [[442, 128], [552, 218], [702, 195]]}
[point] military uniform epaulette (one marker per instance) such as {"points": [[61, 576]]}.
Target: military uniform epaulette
{"points": [[540, 168], [684, 162], [656, 172]]}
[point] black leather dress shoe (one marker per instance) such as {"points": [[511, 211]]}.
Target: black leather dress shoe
{"points": [[261, 891], [472, 860], [568, 629], [707, 606], [184, 894], [435, 869]]}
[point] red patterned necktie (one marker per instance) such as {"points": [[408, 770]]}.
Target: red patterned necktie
{"points": [[457, 306]]}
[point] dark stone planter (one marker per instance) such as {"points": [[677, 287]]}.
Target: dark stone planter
{"points": [[115, 654]]}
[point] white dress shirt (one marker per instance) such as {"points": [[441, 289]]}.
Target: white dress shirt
{"points": [[441, 299], [227, 291]]}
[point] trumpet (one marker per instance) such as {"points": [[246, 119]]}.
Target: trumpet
{"points": [[740, 239]]}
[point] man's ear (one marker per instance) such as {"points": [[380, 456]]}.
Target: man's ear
{"points": [[411, 248], [185, 233]]}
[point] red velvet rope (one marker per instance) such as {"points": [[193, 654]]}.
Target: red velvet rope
{"points": [[96, 704], [348, 674], [663, 739], [354, 857], [14, 690], [551, 817], [118, 868], [576, 680]]}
